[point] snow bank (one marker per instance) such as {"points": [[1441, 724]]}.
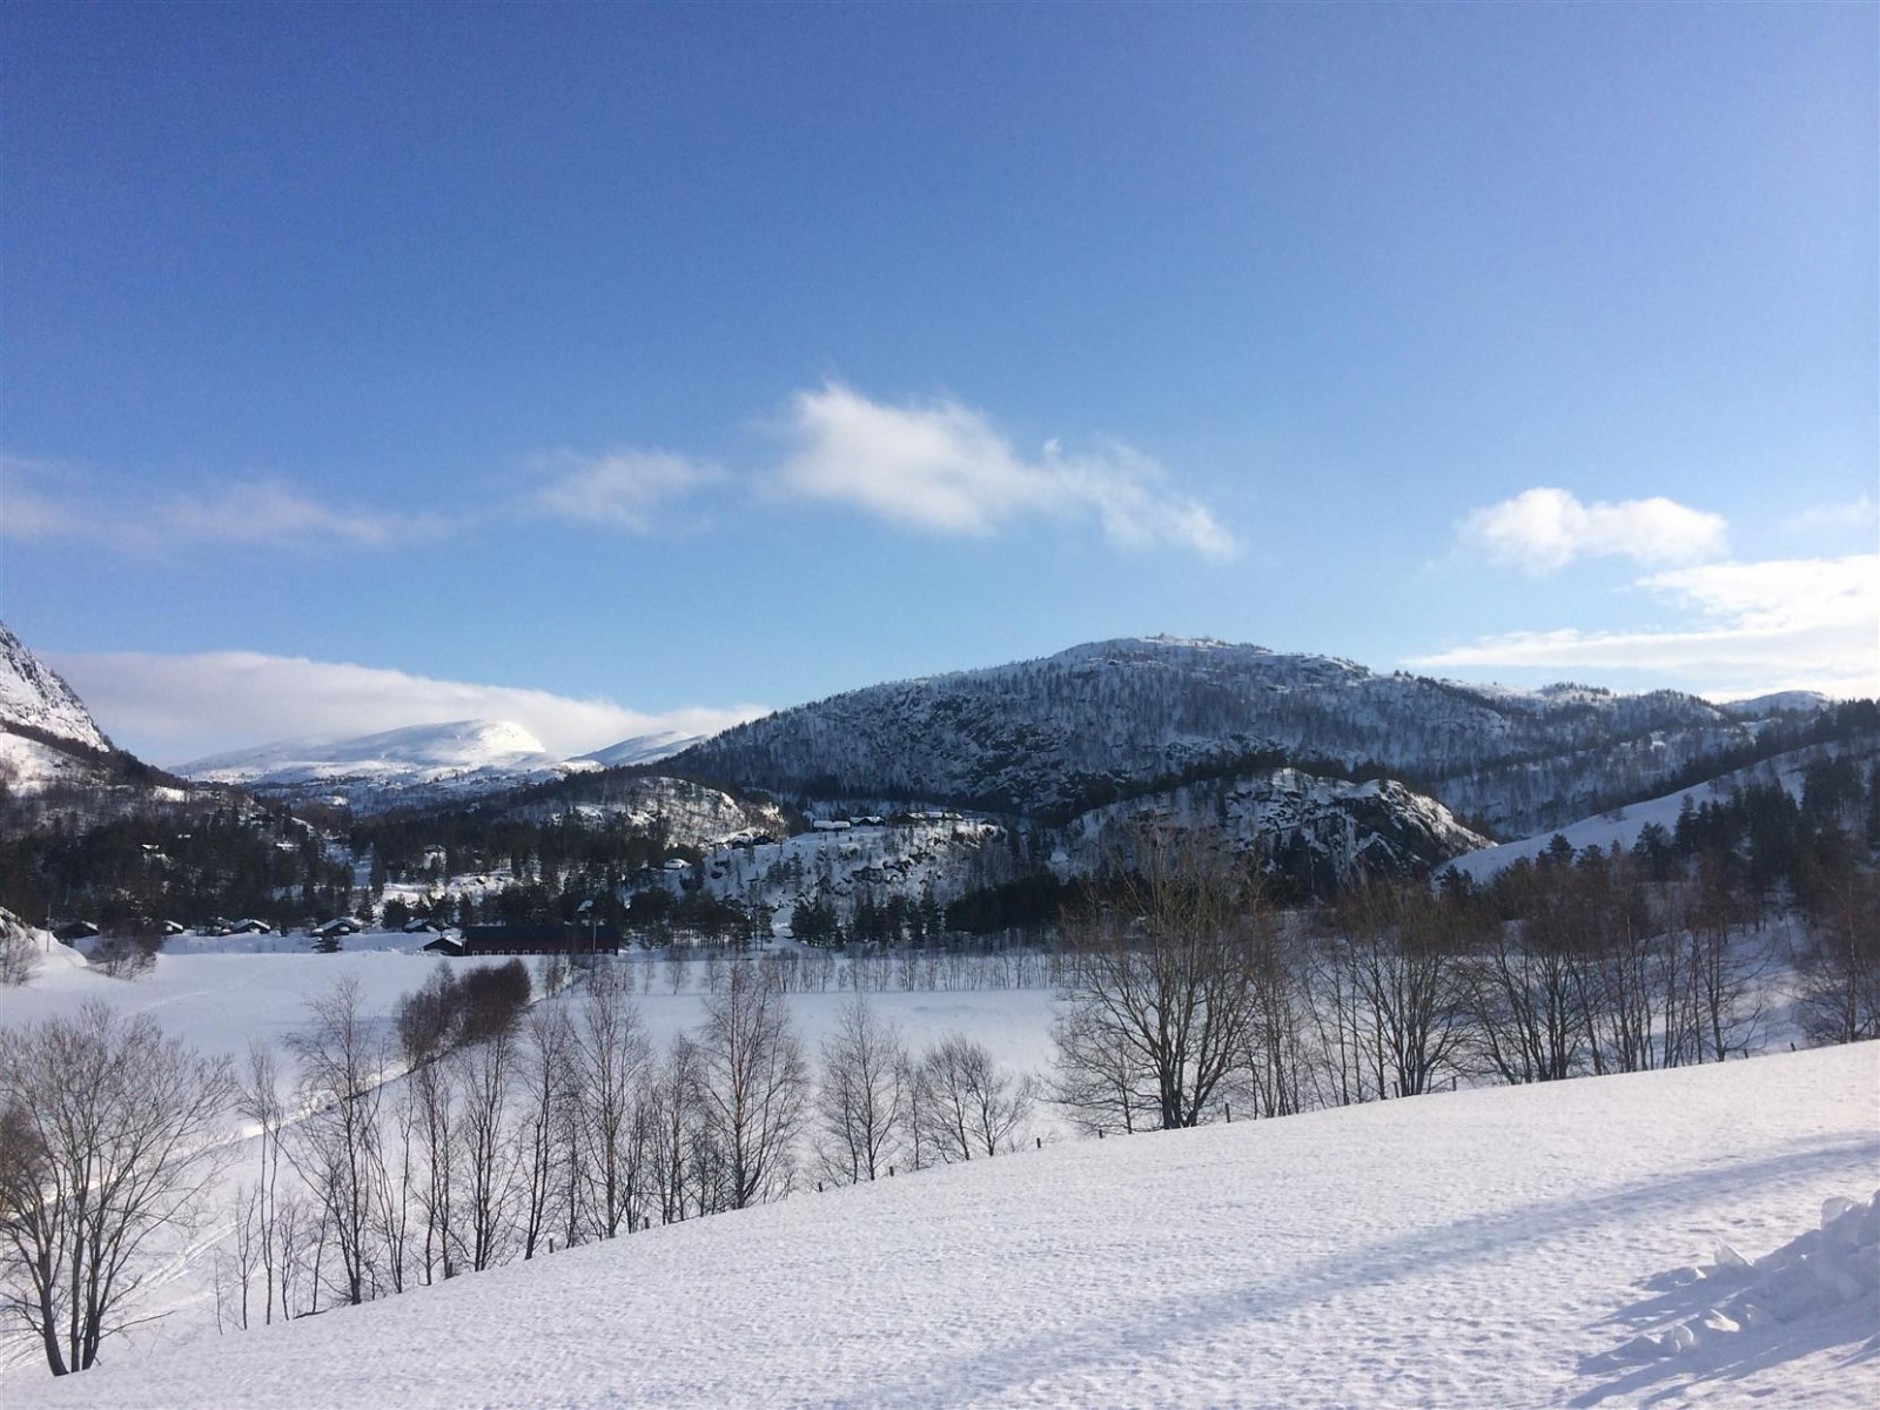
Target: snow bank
{"points": [[1820, 1290]]}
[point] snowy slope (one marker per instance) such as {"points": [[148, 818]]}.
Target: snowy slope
{"points": [[1623, 825], [1548, 1245], [641, 749], [36, 696], [1054, 737], [31, 765], [939, 858], [690, 814], [1763, 706], [417, 752]]}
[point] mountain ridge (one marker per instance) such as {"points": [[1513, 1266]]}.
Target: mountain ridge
{"points": [[1053, 736]]}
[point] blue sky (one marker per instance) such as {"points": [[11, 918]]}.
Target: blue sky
{"points": [[619, 367]]}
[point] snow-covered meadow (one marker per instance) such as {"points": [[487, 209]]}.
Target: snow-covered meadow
{"points": [[220, 993], [1561, 1244]]}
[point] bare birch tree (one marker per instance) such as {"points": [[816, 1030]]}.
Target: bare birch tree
{"points": [[751, 1087], [1162, 986], [342, 1058], [484, 1074], [258, 1099], [111, 1133], [971, 1106], [860, 1096], [550, 1121], [673, 1122], [611, 1053]]}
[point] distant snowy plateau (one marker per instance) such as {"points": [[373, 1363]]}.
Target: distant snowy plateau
{"points": [[402, 766], [1704, 1235]]}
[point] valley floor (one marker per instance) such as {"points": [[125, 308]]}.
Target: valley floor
{"points": [[1552, 1245]]}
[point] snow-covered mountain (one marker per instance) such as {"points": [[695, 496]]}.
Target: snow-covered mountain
{"points": [[686, 813], [1318, 833], [47, 736], [1052, 738], [463, 756], [641, 749], [417, 750], [1778, 703], [1322, 833], [36, 697], [420, 763]]}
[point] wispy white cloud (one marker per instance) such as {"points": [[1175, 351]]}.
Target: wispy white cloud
{"points": [[271, 511], [1543, 530], [39, 500], [173, 708], [941, 467], [622, 490], [1749, 628], [1861, 513], [944, 468]]}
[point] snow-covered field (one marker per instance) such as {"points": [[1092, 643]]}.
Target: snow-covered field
{"points": [[1549, 1245], [1536, 1246], [219, 993], [218, 1002]]}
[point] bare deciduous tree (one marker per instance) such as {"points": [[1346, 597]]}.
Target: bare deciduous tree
{"points": [[751, 1087], [611, 1053], [258, 1100], [436, 1134], [1725, 964], [484, 1073], [111, 1135], [672, 1120], [859, 1100], [1162, 986], [550, 1121], [342, 1058], [1396, 958], [1840, 969], [1099, 1078], [1518, 984], [969, 1106]]}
